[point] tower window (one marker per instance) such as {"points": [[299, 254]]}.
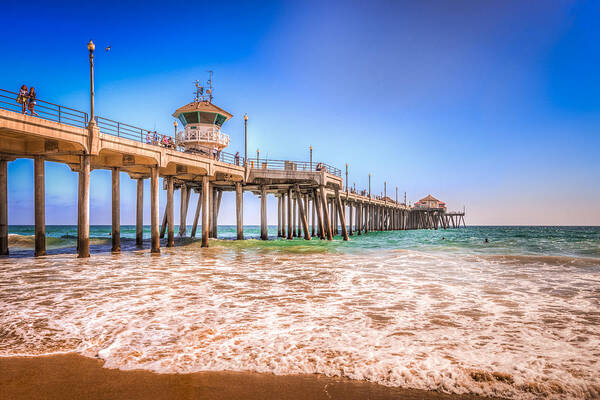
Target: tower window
{"points": [[191, 117]]}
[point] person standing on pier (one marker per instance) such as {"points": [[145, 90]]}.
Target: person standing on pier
{"points": [[32, 102], [22, 98]]}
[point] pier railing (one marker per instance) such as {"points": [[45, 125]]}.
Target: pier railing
{"points": [[45, 110], [73, 117], [286, 165]]}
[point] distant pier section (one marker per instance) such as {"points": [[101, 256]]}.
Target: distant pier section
{"points": [[312, 200]]}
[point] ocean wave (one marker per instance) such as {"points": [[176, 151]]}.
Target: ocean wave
{"points": [[449, 322], [27, 242]]}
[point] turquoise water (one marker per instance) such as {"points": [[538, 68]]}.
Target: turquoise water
{"points": [[502, 240]]}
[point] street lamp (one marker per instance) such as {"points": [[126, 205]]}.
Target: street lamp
{"points": [[245, 138], [91, 47], [369, 185], [346, 179], [311, 158], [384, 191], [175, 127]]}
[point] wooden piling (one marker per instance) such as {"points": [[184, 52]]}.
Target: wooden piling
{"points": [[163, 226], [327, 221], [317, 207], [283, 215], [215, 227], [312, 226], [116, 210], [359, 218], [154, 210], [183, 210], [278, 216], [83, 209], [3, 207], [139, 213], [206, 194], [350, 212], [40, 207], [295, 218], [303, 218], [306, 215], [264, 235], [197, 214], [290, 233], [239, 210], [170, 217], [340, 213]]}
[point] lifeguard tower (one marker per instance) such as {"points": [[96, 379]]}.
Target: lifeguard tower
{"points": [[202, 121]]}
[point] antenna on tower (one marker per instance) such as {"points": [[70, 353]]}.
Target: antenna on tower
{"points": [[209, 89], [204, 92]]}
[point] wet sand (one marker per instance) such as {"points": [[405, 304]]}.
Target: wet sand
{"points": [[71, 376]]}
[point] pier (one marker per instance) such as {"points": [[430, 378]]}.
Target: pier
{"points": [[312, 201]]}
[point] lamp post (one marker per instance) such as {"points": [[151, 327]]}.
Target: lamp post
{"points": [[369, 185], [346, 179], [257, 157], [91, 47], [396, 194], [175, 135], [245, 138], [385, 191], [311, 158]]}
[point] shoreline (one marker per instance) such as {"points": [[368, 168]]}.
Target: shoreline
{"points": [[72, 376]]}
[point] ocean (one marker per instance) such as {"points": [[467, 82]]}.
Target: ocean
{"points": [[516, 317]]}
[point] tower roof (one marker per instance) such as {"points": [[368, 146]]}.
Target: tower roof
{"points": [[201, 106], [429, 198]]}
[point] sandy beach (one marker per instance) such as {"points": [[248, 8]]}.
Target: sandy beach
{"points": [[71, 376]]}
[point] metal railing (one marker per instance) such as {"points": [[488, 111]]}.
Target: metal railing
{"points": [[45, 110], [286, 165], [70, 116], [127, 131], [204, 134]]}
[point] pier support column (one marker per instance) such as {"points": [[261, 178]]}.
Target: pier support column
{"points": [[303, 218], [197, 215], [278, 216], [317, 208], [139, 213], [295, 217], [116, 210], [83, 210], [183, 210], [340, 212], [216, 204], [306, 214], [350, 212], [170, 217], [283, 215], [327, 221], [40, 207], [312, 225], [358, 218], [3, 207], [206, 194], [239, 210], [163, 226], [290, 233], [264, 234], [366, 219], [154, 210]]}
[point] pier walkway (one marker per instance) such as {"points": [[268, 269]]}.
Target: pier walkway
{"points": [[312, 201]]}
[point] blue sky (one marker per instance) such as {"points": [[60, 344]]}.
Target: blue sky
{"points": [[490, 105]]}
